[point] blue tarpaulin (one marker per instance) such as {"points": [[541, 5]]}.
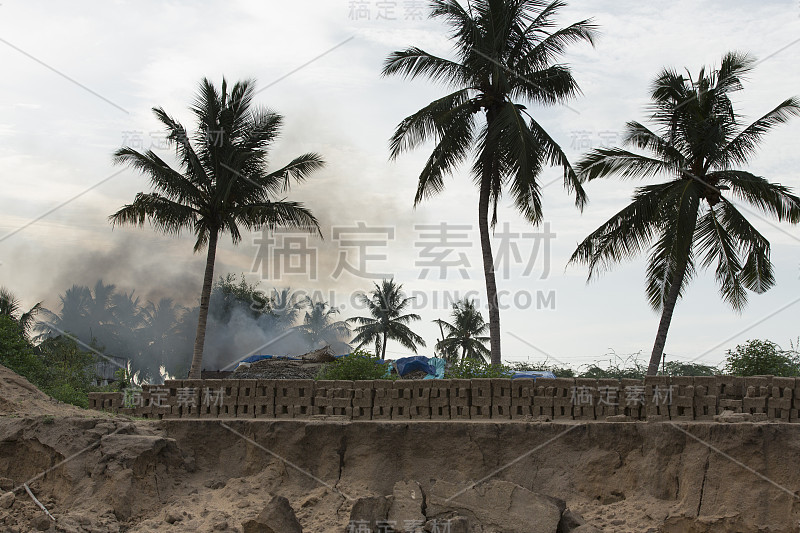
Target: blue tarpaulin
{"points": [[438, 364], [254, 358], [405, 365]]}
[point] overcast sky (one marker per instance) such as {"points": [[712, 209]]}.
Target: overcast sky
{"points": [[79, 80]]}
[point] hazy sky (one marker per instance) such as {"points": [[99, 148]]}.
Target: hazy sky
{"points": [[79, 80]]}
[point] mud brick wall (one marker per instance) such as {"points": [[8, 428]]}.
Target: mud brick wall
{"points": [[460, 398], [363, 395], [522, 393], [656, 398]]}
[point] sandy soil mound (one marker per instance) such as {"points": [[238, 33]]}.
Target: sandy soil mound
{"points": [[19, 397]]}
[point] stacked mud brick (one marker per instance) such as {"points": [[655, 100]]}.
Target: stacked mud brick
{"points": [[706, 397], [460, 398], [480, 398], [757, 391], [420, 398], [655, 398], [522, 393], [608, 398], [543, 394], [382, 400], [779, 403], [440, 399], [501, 398], [731, 391], [363, 393], [294, 398], [584, 397], [333, 398]]}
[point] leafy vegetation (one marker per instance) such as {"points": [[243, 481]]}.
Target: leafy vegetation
{"points": [[762, 358], [543, 366], [358, 366], [476, 368], [56, 366], [677, 368], [16, 352]]}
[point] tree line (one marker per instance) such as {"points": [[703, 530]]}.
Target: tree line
{"points": [[508, 55]]}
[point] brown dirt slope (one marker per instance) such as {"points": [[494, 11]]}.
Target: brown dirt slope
{"points": [[112, 474], [19, 397]]}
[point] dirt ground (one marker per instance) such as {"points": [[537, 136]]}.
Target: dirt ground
{"points": [[101, 473]]}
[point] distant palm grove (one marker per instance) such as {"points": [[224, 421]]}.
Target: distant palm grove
{"points": [[507, 63]]}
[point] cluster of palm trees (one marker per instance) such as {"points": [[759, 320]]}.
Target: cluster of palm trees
{"points": [[156, 337], [507, 56]]}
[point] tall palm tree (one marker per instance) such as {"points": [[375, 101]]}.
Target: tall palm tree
{"points": [[465, 334], [698, 142], [11, 306], [386, 304], [320, 326], [223, 184], [506, 53]]}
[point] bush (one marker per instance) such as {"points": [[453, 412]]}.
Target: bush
{"points": [[676, 368], [543, 366], [67, 363], [67, 393], [474, 368], [762, 358], [618, 367], [357, 366], [16, 352]]}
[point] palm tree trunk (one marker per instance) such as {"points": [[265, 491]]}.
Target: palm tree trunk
{"points": [[205, 297], [666, 319], [383, 348], [486, 250]]}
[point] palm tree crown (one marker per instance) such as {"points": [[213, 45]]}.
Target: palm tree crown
{"points": [[506, 53], [386, 304], [691, 220], [465, 334], [223, 185], [11, 307], [320, 327]]}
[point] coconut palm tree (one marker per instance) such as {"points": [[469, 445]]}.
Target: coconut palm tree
{"points": [[691, 221], [87, 314], [11, 306], [507, 53], [223, 184], [386, 304], [465, 334], [320, 327]]}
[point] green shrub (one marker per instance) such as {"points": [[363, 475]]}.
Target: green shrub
{"points": [[16, 352], [474, 368], [676, 368], [762, 358], [64, 392], [543, 366], [357, 366]]}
